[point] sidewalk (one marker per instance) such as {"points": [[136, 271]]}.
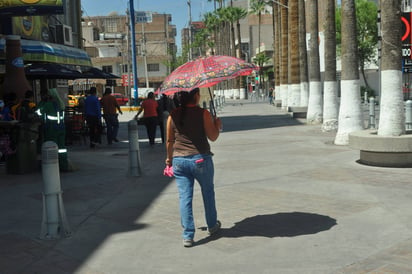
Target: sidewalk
{"points": [[289, 201]]}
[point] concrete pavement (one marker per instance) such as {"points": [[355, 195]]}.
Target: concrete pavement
{"points": [[289, 201]]}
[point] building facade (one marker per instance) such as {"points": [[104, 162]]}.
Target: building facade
{"points": [[50, 34], [107, 41]]}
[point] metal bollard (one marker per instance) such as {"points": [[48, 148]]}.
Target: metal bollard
{"points": [[54, 217], [408, 115], [134, 150], [372, 113]]}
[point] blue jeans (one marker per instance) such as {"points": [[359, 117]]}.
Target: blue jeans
{"points": [[112, 125], [186, 170]]}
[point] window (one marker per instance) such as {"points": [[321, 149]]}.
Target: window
{"points": [[108, 69], [153, 67], [124, 68], [110, 25]]}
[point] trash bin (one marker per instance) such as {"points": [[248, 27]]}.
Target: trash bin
{"points": [[25, 136]]}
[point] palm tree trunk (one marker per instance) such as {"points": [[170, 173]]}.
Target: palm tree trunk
{"points": [[239, 55], [284, 54], [294, 69], [235, 82], [315, 110], [330, 94], [392, 117], [350, 112], [261, 69], [276, 46], [303, 56]]}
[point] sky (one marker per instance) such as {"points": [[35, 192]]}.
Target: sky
{"points": [[177, 8]]}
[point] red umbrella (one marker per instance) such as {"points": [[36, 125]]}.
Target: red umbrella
{"points": [[205, 72]]}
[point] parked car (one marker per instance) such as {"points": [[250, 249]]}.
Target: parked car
{"points": [[121, 99]]}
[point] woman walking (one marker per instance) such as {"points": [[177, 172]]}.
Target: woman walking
{"points": [[189, 128], [149, 108]]}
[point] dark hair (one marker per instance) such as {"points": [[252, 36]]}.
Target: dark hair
{"points": [[150, 95], [185, 99], [107, 91], [93, 90]]}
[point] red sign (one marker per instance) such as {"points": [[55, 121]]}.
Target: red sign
{"points": [[125, 80], [407, 35]]}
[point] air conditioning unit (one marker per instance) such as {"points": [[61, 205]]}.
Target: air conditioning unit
{"points": [[64, 35]]}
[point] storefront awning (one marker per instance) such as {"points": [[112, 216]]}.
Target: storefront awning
{"points": [[38, 51]]}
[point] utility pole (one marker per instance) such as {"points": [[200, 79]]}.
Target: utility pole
{"points": [[190, 29], [129, 75], [134, 64]]}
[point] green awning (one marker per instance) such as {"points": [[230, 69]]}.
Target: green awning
{"points": [[39, 51]]}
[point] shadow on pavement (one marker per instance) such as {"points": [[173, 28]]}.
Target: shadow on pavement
{"points": [[288, 224], [251, 122]]}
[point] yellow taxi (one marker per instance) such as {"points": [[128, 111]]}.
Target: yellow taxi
{"points": [[73, 100]]}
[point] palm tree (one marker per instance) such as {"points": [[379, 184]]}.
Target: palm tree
{"points": [[276, 45], [260, 60], [350, 112], [238, 14], [314, 114], [391, 118], [257, 7], [294, 69], [284, 53], [221, 2], [230, 17], [330, 94], [224, 42], [303, 56], [201, 41], [211, 23], [222, 33]]}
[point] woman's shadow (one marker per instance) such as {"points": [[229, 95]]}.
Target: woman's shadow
{"points": [[289, 224]]}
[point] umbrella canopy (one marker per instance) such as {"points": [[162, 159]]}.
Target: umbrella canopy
{"points": [[205, 72], [95, 73], [50, 71]]}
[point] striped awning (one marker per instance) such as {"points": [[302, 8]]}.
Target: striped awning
{"points": [[39, 51]]}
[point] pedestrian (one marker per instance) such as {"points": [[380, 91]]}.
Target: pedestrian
{"points": [[165, 106], [51, 111], [110, 108], [9, 103], [149, 109], [271, 96], [25, 110], [188, 151], [93, 115]]}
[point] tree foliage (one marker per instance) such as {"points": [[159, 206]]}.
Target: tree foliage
{"points": [[367, 31]]}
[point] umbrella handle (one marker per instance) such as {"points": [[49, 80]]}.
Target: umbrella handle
{"points": [[212, 104]]}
